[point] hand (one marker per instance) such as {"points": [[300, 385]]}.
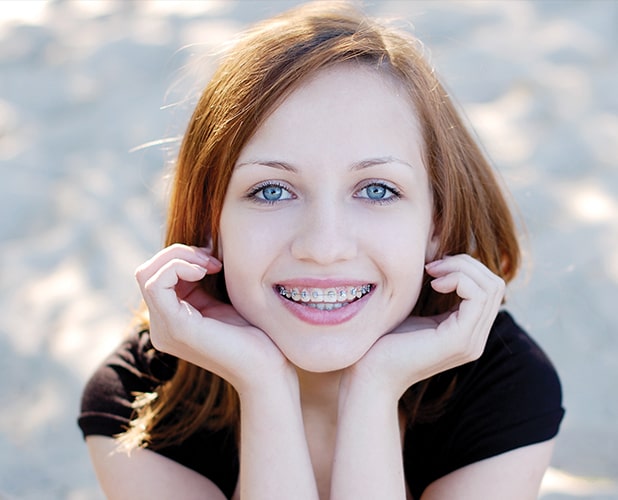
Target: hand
{"points": [[423, 346], [190, 324]]}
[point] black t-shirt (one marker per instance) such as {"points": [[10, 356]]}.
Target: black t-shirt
{"points": [[510, 397]]}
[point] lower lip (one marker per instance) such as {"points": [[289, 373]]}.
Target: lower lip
{"points": [[316, 316]]}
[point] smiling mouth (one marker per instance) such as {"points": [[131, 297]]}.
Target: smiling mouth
{"points": [[325, 299]]}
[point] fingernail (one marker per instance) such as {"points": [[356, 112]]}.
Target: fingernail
{"points": [[200, 268]]}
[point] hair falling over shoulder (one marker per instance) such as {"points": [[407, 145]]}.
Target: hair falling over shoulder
{"points": [[264, 65]]}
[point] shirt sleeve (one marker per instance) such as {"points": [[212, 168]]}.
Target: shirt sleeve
{"points": [[107, 399], [136, 367], [511, 397]]}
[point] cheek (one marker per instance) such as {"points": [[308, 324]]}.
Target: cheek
{"points": [[231, 241], [238, 280], [246, 251], [235, 236], [403, 260]]}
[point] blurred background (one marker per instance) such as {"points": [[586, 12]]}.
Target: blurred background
{"points": [[93, 96]]}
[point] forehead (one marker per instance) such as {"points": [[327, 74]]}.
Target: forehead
{"points": [[345, 85], [357, 106]]}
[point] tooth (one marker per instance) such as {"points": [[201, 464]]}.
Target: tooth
{"points": [[327, 306], [334, 295]]}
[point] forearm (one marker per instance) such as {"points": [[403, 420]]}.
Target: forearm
{"points": [[274, 456], [368, 457]]}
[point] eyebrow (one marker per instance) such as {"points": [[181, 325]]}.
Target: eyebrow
{"points": [[359, 165], [372, 162]]}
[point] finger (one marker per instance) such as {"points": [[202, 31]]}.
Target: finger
{"points": [[160, 290], [476, 300], [184, 289], [479, 273], [479, 304], [195, 294], [473, 298], [460, 283], [193, 255], [461, 262]]}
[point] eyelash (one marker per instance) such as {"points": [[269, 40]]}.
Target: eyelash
{"points": [[396, 194], [252, 193]]}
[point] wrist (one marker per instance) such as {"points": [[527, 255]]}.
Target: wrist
{"points": [[276, 385], [360, 387]]}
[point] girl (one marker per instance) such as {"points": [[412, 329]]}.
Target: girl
{"points": [[324, 320]]}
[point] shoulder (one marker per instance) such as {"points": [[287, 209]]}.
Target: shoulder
{"points": [[509, 398], [134, 367], [107, 408], [512, 365]]}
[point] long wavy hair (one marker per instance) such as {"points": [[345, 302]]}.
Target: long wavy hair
{"points": [[266, 64]]}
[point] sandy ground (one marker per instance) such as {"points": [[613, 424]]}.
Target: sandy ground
{"points": [[81, 89]]}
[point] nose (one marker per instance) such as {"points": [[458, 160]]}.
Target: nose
{"points": [[325, 235]]}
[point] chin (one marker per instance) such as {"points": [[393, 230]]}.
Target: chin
{"points": [[324, 360]]}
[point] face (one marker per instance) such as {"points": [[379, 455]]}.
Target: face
{"points": [[327, 221]]}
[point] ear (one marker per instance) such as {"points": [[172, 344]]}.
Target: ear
{"points": [[215, 249], [208, 245], [433, 245]]}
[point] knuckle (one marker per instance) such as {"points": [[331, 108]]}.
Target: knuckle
{"points": [[499, 287], [175, 247], [139, 273], [176, 261], [499, 282]]}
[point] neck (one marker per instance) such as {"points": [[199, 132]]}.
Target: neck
{"points": [[319, 392]]}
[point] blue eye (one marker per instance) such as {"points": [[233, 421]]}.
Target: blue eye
{"points": [[379, 192], [272, 193], [269, 192], [376, 192]]}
